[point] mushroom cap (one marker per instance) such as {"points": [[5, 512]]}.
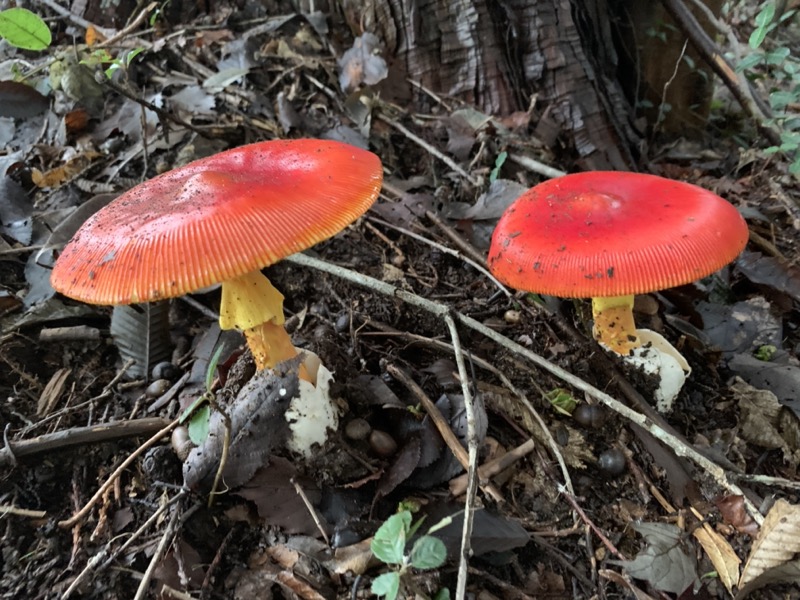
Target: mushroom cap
{"points": [[606, 233], [216, 219]]}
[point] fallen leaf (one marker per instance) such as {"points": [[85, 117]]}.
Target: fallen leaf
{"points": [[362, 63], [764, 421], [278, 503], [63, 174], [20, 101], [734, 513], [142, 333], [721, 554], [257, 425], [664, 562], [773, 272], [772, 557], [740, 327]]}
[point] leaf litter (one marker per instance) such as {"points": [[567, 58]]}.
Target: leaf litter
{"points": [[277, 75]]}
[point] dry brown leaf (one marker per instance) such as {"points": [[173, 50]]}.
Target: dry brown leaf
{"points": [[733, 513], [720, 553], [774, 549], [52, 392], [761, 421], [66, 172], [355, 558], [624, 581]]}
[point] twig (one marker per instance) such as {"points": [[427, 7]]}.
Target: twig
{"points": [[428, 148], [117, 472], [163, 115], [107, 557], [122, 33], [161, 549], [80, 21], [527, 162], [662, 107], [7, 509], [717, 473], [472, 446], [462, 244], [79, 435], [302, 493], [477, 265], [441, 425], [603, 538], [493, 467]]}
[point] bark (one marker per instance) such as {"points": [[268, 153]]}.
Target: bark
{"points": [[499, 54]]}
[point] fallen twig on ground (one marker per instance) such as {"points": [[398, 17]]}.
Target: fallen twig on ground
{"points": [[491, 468], [80, 435]]}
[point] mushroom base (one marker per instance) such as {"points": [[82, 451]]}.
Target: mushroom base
{"points": [[613, 323]]}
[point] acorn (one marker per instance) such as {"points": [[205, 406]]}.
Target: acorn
{"points": [[357, 429], [181, 442], [157, 388], [612, 462], [590, 415], [166, 370], [382, 443]]}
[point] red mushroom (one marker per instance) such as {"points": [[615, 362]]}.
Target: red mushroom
{"points": [[220, 220], [610, 235]]}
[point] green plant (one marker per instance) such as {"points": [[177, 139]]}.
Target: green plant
{"points": [[389, 546], [561, 400], [498, 164], [103, 57], [23, 29], [198, 412], [783, 68], [765, 352]]}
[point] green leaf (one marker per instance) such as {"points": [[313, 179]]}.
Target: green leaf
{"points": [[389, 543], [749, 61], [24, 29], [442, 594], [498, 163], [198, 425], [212, 366], [777, 56], [387, 585], [763, 25], [443, 523], [428, 553]]}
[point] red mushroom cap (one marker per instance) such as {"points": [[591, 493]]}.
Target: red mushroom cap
{"points": [[216, 219], [599, 234]]}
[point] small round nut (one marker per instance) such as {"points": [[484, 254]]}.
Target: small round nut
{"points": [[181, 442], [590, 415], [357, 429], [166, 370], [157, 388], [382, 443], [512, 317], [612, 462]]}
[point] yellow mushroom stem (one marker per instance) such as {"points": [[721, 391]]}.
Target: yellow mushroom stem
{"points": [[613, 323], [251, 303]]}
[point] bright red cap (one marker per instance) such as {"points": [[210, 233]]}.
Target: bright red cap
{"points": [[609, 233], [216, 219]]}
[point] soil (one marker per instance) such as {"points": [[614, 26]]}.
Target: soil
{"points": [[537, 533]]}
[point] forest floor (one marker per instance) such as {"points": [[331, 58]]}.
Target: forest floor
{"points": [[587, 502]]}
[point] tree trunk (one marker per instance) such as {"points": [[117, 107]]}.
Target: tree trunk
{"points": [[498, 54]]}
